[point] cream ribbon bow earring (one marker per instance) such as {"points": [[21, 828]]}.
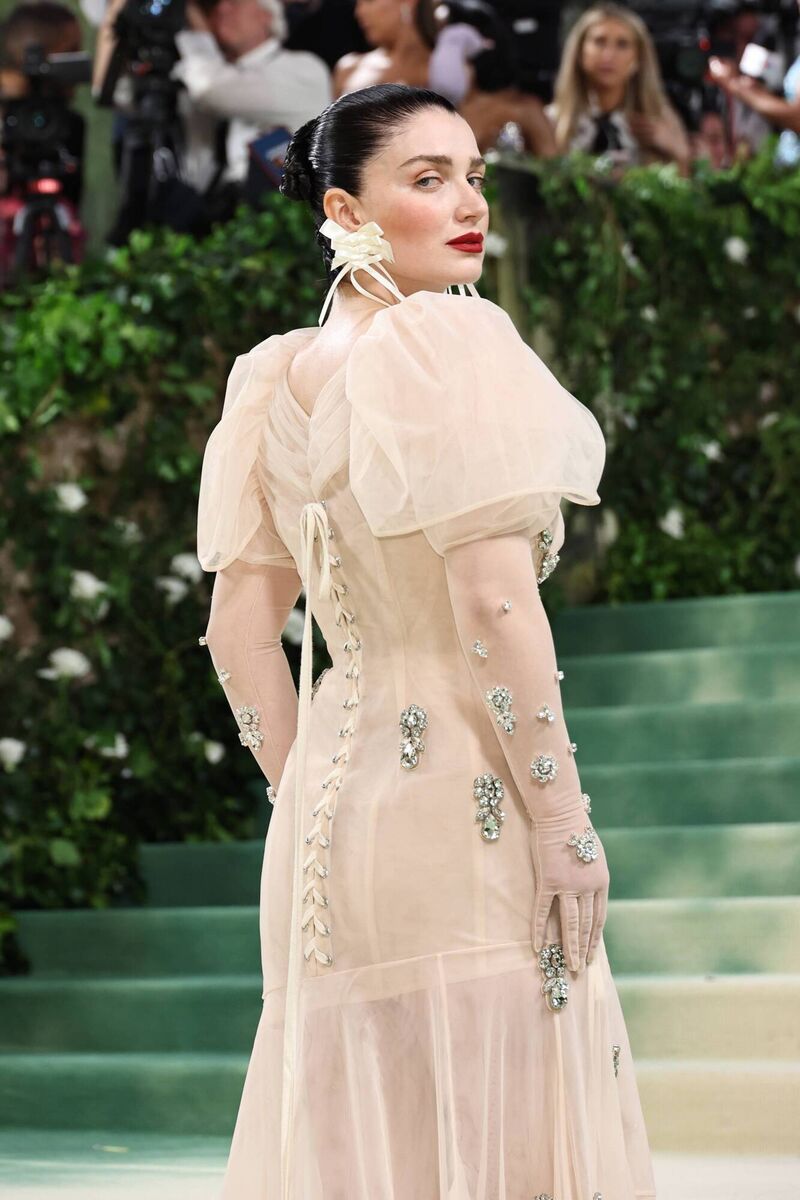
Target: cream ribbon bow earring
{"points": [[359, 250]]}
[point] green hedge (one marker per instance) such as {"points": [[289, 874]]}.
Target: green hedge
{"points": [[111, 378], [671, 307]]}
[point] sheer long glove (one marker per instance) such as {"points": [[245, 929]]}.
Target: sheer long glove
{"points": [[250, 606], [520, 674]]}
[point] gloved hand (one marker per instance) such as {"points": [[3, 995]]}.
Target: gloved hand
{"points": [[581, 887]]}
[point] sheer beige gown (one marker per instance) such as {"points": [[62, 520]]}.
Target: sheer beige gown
{"points": [[407, 1049]]}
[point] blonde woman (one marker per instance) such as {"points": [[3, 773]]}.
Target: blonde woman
{"points": [[609, 95]]}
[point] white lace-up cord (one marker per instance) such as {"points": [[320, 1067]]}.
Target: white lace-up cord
{"points": [[314, 529]]}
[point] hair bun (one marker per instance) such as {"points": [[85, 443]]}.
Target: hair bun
{"points": [[296, 182]]}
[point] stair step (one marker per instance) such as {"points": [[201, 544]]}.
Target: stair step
{"points": [[693, 791], [714, 1016], [722, 936], [168, 1093], [701, 676], [742, 620], [671, 862], [707, 1105], [720, 1107], [701, 860], [694, 936], [665, 732]]}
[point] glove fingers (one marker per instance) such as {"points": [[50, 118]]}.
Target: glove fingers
{"points": [[586, 905], [598, 921], [570, 929], [542, 905]]}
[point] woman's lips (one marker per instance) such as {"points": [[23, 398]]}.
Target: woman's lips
{"points": [[473, 245]]}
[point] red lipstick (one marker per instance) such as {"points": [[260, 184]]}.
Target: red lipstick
{"points": [[471, 242]]}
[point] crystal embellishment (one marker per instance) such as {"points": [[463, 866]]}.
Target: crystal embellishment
{"points": [[585, 844], [499, 699], [555, 985], [506, 606], [249, 719], [270, 793], [224, 676], [479, 648], [488, 790], [544, 768], [573, 746], [559, 675], [587, 801], [615, 1049], [549, 560], [413, 722], [202, 641], [546, 713]]}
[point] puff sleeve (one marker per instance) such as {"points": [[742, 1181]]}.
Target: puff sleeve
{"points": [[459, 429], [234, 518]]}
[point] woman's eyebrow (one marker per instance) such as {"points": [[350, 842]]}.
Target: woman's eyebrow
{"points": [[444, 159]]}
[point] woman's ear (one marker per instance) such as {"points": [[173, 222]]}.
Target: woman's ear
{"points": [[342, 208]]}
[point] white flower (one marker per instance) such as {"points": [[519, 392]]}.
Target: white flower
{"points": [[750, 312], [797, 313], [630, 257], [494, 244], [66, 663], [628, 419], [608, 529], [768, 419], [736, 249], [129, 530], [293, 629], [70, 497], [6, 628], [187, 566], [118, 750], [214, 751], [649, 313], [86, 586], [767, 392], [672, 523], [11, 752], [712, 450], [175, 589], [797, 565]]}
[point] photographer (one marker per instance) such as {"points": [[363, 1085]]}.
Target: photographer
{"points": [[783, 112], [235, 70], [55, 29]]}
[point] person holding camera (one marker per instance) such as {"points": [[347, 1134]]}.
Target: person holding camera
{"points": [[783, 112], [239, 82]]}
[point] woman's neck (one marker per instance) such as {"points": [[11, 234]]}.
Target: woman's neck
{"points": [[608, 99]]}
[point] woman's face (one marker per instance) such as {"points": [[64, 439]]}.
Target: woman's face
{"points": [[380, 20], [421, 204], [609, 54]]}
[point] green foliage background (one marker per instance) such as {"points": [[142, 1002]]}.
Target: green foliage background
{"points": [[112, 375]]}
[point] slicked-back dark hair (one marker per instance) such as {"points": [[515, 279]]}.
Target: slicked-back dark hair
{"points": [[333, 149]]}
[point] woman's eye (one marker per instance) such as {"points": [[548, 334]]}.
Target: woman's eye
{"points": [[481, 180], [426, 179]]}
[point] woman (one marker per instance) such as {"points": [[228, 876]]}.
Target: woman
{"points": [[439, 1014], [412, 47], [609, 96]]}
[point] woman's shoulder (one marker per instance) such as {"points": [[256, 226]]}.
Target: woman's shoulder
{"points": [[435, 319]]}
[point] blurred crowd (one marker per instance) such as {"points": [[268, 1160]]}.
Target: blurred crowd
{"points": [[207, 93]]}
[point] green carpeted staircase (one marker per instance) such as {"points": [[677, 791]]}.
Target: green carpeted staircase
{"points": [[686, 716]]}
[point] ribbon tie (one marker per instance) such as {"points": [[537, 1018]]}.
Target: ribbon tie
{"points": [[358, 250]]}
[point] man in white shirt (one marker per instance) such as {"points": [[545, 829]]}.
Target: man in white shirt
{"points": [[234, 67]]}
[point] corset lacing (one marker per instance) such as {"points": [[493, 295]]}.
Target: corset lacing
{"points": [[314, 529]]}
